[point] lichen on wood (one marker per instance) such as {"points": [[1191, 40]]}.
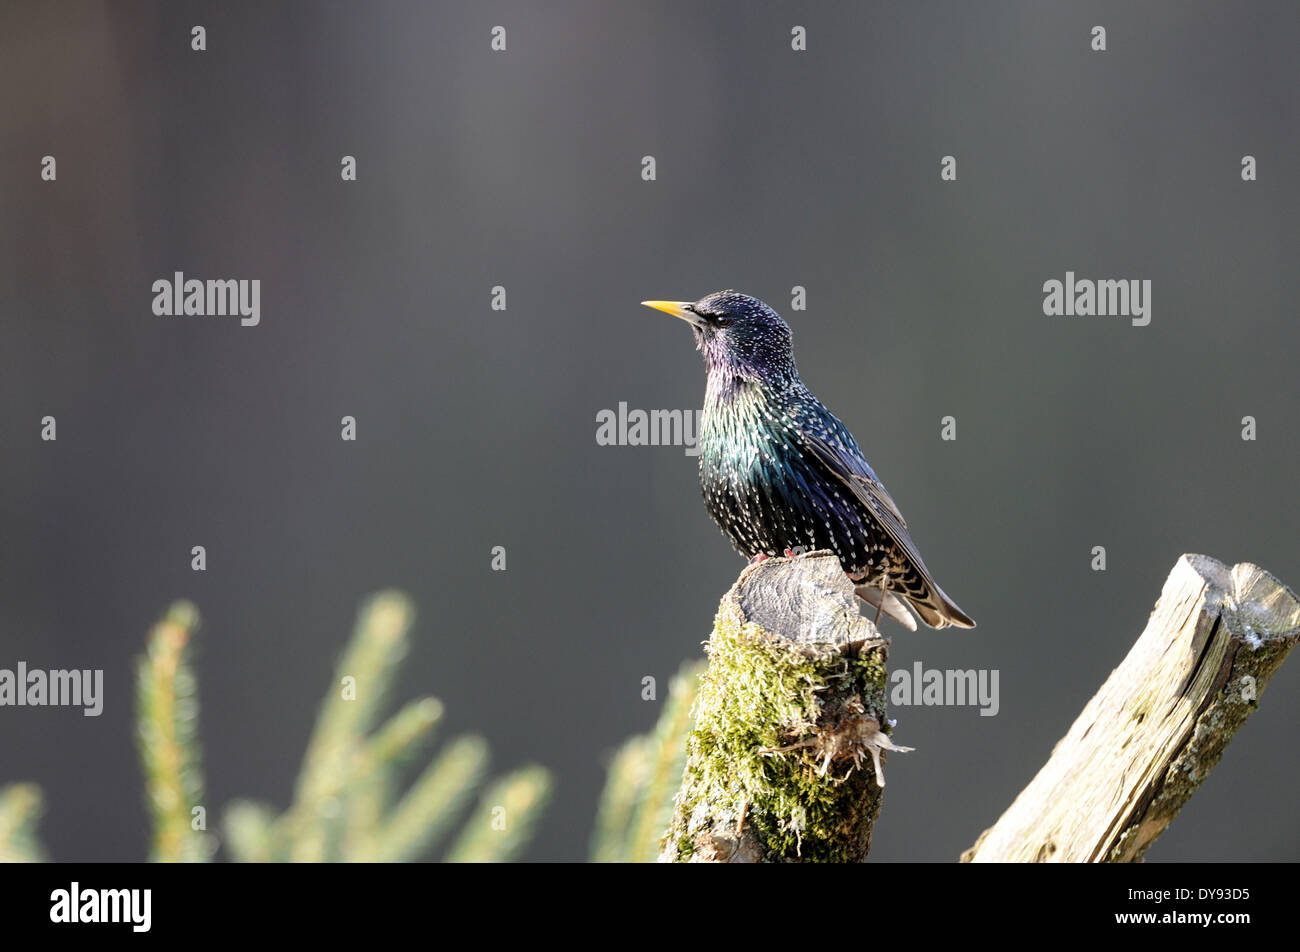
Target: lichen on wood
{"points": [[784, 758]]}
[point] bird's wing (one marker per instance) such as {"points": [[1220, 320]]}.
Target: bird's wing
{"points": [[843, 461], [850, 469]]}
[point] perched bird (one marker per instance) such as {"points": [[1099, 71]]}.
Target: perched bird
{"points": [[780, 473]]}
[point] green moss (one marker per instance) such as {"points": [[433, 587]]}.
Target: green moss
{"points": [[773, 741]]}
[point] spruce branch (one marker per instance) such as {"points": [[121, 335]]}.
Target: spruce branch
{"points": [[167, 734], [433, 803], [637, 802], [249, 829], [347, 804], [503, 823], [21, 806]]}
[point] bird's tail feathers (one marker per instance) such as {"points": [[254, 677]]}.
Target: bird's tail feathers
{"points": [[937, 610], [940, 611]]}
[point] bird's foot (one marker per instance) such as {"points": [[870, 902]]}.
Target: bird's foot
{"points": [[789, 554]]}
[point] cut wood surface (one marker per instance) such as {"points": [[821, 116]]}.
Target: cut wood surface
{"points": [[1158, 725]]}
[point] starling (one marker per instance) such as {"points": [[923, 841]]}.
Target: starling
{"points": [[780, 473]]}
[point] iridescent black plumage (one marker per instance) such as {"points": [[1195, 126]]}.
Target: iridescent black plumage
{"points": [[779, 471]]}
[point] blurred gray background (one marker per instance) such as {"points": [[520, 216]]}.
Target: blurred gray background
{"points": [[477, 428]]}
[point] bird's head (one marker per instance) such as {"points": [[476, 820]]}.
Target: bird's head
{"points": [[737, 334]]}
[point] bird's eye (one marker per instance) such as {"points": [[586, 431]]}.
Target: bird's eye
{"points": [[721, 320]]}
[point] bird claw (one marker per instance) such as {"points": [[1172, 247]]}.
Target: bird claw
{"points": [[789, 554]]}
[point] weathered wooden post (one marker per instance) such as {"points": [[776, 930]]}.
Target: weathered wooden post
{"points": [[1158, 725]]}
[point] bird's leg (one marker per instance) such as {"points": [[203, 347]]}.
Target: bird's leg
{"points": [[884, 577], [762, 556]]}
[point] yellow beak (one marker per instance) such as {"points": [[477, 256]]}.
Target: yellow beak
{"points": [[676, 309]]}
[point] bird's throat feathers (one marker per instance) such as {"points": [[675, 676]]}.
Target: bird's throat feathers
{"points": [[730, 384], [733, 371]]}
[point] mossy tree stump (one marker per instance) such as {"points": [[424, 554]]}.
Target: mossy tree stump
{"points": [[783, 761]]}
